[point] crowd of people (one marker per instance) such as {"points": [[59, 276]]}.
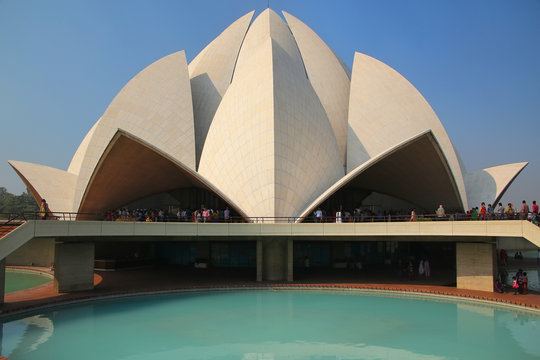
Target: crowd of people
{"points": [[357, 215], [489, 212], [202, 215], [482, 212], [501, 212], [520, 281]]}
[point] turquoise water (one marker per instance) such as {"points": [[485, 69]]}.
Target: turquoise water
{"points": [[264, 325], [16, 281]]}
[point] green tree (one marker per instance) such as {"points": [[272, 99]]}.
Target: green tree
{"points": [[16, 204]]}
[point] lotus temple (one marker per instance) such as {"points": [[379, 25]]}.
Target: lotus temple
{"points": [[270, 124]]}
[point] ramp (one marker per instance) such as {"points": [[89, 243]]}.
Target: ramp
{"points": [[13, 236]]}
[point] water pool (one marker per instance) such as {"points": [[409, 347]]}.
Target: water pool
{"points": [[19, 280], [264, 325]]}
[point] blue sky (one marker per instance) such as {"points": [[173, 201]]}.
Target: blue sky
{"points": [[476, 62]]}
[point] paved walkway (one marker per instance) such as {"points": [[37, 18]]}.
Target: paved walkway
{"points": [[150, 280]]}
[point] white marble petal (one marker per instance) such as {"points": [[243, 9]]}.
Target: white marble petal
{"points": [[327, 75], [76, 161], [385, 109], [211, 73], [488, 185], [44, 182], [155, 106], [270, 141]]}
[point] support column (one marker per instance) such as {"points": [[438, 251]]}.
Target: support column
{"points": [[475, 267], [290, 250], [203, 251], [73, 267], [275, 259], [2, 280], [259, 260]]}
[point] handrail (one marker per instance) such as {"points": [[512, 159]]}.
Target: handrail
{"points": [[71, 216], [10, 218]]}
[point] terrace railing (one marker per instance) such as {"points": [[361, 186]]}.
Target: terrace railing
{"points": [[72, 216]]}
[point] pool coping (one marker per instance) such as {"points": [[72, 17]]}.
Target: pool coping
{"points": [[27, 301]]}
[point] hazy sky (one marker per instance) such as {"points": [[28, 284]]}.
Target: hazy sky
{"points": [[476, 62]]}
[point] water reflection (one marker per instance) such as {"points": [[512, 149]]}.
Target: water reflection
{"points": [[267, 325], [524, 330], [25, 335]]}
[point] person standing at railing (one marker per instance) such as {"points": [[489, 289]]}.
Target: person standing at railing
{"points": [[474, 213], [205, 214], [43, 209], [509, 211], [440, 212], [524, 211], [499, 212], [318, 215], [490, 212], [483, 211], [338, 216]]}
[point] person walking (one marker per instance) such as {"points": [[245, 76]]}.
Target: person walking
{"points": [[414, 217], [427, 268]]}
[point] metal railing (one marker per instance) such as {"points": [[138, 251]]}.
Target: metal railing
{"points": [[7, 218]]}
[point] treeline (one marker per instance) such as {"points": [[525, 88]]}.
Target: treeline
{"points": [[16, 204]]}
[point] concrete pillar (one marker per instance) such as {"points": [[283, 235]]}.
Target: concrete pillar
{"points": [[475, 266], [73, 267], [259, 260], [203, 250], [2, 280], [275, 259]]}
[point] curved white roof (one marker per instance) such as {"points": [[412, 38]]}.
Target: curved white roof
{"points": [[270, 139], [44, 182], [327, 76], [76, 161], [211, 74], [385, 109], [488, 185], [156, 106]]}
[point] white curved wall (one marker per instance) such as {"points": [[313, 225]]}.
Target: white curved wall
{"points": [[270, 139], [76, 161], [385, 109], [155, 106], [54, 185], [488, 185], [211, 73], [327, 76]]}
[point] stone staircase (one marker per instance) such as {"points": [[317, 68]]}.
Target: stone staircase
{"points": [[7, 228]]}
